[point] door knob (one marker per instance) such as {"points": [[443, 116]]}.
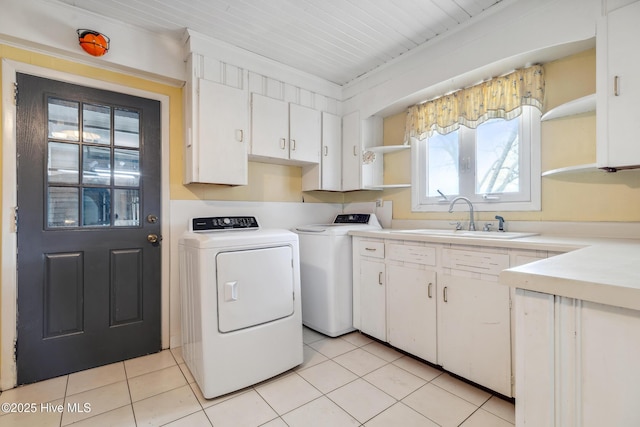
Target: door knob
{"points": [[153, 238]]}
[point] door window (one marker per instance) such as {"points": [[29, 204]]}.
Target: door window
{"points": [[105, 141]]}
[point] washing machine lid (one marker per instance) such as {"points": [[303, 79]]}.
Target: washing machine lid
{"points": [[342, 224], [255, 286]]}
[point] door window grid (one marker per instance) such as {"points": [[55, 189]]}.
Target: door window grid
{"points": [[105, 140]]}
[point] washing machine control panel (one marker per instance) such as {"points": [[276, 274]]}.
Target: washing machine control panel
{"points": [[352, 219], [224, 223]]}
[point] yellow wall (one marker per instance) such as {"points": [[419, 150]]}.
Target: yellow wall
{"points": [[266, 182], [565, 142]]}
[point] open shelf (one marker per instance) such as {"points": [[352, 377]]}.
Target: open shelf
{"points": [[383, 186], [573, 170], [387, 148], [571, 108]]}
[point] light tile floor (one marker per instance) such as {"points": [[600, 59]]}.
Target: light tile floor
{"points": [[345, 381]]}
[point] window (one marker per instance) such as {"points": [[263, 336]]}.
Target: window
{"points": [[496, 165]]}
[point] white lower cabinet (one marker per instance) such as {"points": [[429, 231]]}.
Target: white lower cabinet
{"points": [[575, 362], [411, 302], [474, 339], [439, 303], [474, 323], [373, 299]]}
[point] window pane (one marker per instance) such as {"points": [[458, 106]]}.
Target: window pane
{"points": [[126, 208], [96, 122], [127, 128], [127, 167], [63, 163], [96, 207], [63, 119], [497, 157], [443, 154], [96, 165], [62, 207]]}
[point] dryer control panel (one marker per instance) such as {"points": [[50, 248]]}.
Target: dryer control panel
{"points": [[224, 223]]}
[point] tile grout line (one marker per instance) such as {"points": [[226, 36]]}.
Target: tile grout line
{"points": [[126, 377], [64, 399]]}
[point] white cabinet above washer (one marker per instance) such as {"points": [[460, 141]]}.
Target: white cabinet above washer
{"points": [[285, 132]]}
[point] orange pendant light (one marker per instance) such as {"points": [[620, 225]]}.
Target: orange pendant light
{"points": [[93, 42]]}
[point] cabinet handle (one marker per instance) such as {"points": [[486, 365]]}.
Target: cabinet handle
{"points": [[429, 290], [283, 143], [293, 145], [616, 85], [326, 151], [444, 294], [239, 135], [370, 249], [380, 278], [354, 151]]}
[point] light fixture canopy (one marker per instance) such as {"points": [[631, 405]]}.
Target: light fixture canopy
{"points": [[93, 42]]}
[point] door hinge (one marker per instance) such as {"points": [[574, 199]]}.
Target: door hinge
{"points": [[15, 93]]}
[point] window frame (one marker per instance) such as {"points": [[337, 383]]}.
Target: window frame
{"points": [[530, 172]]}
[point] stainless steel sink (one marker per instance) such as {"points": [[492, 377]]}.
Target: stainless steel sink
{"points": [[467, 234]]}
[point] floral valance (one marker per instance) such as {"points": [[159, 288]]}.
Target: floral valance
{"points": [[501, 97]]}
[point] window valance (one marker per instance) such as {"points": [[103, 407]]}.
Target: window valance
{"points": [[501, 97]]}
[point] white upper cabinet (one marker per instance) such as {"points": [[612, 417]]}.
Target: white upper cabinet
{"points": [[361, 168], [331, 152], [351, 149], [328, 174], [216, 125], [618, 88], [269, 127], [284, 131], [304, 134]]}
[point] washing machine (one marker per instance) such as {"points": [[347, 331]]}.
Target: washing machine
{"points": [[241, 312], [326, 277]]}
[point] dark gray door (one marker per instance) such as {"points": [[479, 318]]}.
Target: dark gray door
{"points": [[88, 211]]}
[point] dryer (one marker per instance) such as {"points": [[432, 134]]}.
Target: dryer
{"points": [[241, 312], [326, 261]]}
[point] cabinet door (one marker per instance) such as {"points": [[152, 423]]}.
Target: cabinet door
{"points": [[373, 320], [411, 302], [351, 149], [304, 134], [474, 331], [218, 152], [269, 127], [617, 146], [331, 152]]}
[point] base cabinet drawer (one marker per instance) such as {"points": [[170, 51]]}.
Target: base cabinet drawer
{"points": [[370, 248]]}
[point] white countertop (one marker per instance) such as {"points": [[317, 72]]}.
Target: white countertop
{"points": [[600, 270]]}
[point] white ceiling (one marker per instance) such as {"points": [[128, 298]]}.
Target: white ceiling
{"points": [[337, 40]]}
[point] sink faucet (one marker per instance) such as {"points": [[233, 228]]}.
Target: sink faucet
{"points": [[472, 224]]}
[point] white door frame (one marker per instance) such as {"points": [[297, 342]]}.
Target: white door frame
{"points": [[8, 293]]}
